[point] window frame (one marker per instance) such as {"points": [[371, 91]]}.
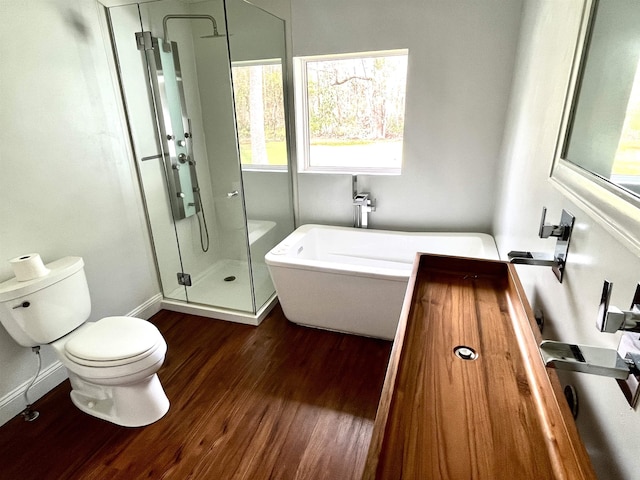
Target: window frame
{"points": [[303, 135]]}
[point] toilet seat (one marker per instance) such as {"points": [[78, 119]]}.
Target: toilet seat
{"points": [[113, 342]]}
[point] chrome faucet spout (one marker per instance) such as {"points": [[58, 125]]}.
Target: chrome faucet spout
{"points": [[533, 258], [361, 199], [586, 359]]}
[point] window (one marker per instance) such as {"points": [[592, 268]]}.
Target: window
{"points": [[259, 103], [350, 112]]}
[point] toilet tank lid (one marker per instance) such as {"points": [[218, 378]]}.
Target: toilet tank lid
{"points": [[59, 270]]}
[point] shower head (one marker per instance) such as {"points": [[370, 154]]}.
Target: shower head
{"points": [[216, 35], [187, 16]]}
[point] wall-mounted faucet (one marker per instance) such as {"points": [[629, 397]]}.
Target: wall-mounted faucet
{"points": [[587, 359], [363, 204], [558, 259], [622, 364]]}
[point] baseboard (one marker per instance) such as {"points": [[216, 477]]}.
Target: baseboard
{"points": [[13, 403], [148, 309]]}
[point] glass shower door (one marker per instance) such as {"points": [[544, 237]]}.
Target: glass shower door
{"points": [[149, 152], [202, 153], [186, 156], [212, 219], [258, 72]]}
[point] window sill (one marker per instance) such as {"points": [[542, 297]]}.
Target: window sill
{"points": [[265, 168], [351, 171]]}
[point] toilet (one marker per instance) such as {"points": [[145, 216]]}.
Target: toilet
{"points": [[112, 363]]}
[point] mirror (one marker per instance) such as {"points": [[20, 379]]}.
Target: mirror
{"points": [[604, 132], [598, 154]]}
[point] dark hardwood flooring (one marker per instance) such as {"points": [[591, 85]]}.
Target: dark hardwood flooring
{"points": [[278, 401]]}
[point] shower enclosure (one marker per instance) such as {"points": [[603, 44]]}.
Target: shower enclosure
{"points": [[203, 88]]}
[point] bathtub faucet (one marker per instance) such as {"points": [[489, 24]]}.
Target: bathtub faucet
{"points": [[362, 206]]}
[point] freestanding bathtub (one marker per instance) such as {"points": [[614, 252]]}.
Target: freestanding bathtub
{"points": [[354, 280]]}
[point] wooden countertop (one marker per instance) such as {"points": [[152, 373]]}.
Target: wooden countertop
{"points": [[500, 416]]}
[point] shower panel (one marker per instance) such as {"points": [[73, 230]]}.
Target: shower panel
{"points": [[174, 124]]}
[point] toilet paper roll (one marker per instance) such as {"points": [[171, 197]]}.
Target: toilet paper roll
{"points": [[28, 267]]}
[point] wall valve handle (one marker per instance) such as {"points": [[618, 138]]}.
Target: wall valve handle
{"points": [[546, 230], [558, 260], [611, 319]]}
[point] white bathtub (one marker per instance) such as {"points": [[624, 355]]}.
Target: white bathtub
{"points": [[354, 280]]}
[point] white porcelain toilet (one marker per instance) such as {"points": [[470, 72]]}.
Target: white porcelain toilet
{"points": [[112, 363]]}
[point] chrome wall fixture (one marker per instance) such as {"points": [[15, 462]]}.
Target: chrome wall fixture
{"points": [[363, 204], [557, 260], [611, 319], [186, 16], [173, 124], [622, 364]]}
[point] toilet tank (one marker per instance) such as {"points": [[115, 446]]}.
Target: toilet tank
{"points": [[39, 311]]}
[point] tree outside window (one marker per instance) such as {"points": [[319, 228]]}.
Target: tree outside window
{"points": [[259, 103], [351, 113]]}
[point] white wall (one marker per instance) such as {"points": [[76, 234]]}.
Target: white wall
{"points": [[461, 58], [67, 185], [608, 426]]}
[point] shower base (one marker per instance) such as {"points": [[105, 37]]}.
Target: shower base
{"points": [[213, 293]]}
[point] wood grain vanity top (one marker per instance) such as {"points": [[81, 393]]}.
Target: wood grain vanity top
{"points": [[500, 416]]}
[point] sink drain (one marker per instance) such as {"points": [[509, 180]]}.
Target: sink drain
{"points": [[230, 278], [465, 353]]}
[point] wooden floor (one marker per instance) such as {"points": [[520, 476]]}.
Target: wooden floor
{"points": [[276, 401]]}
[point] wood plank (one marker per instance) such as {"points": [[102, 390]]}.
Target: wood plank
{"points": [[496, 417], [274, 402]]}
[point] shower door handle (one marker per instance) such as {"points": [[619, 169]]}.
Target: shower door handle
{"points": [[235, 193]]}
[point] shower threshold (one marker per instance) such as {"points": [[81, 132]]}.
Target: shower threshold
{"points": [[215, 295]]}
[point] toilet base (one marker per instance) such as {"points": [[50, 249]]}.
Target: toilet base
{"points": [[132, 405]]}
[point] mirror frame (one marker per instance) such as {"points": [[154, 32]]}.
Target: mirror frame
{"points": [[614, 208], [121, 3]]}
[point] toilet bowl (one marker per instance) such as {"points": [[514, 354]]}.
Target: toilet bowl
{"points": [[112, 367], [112, 363]]}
